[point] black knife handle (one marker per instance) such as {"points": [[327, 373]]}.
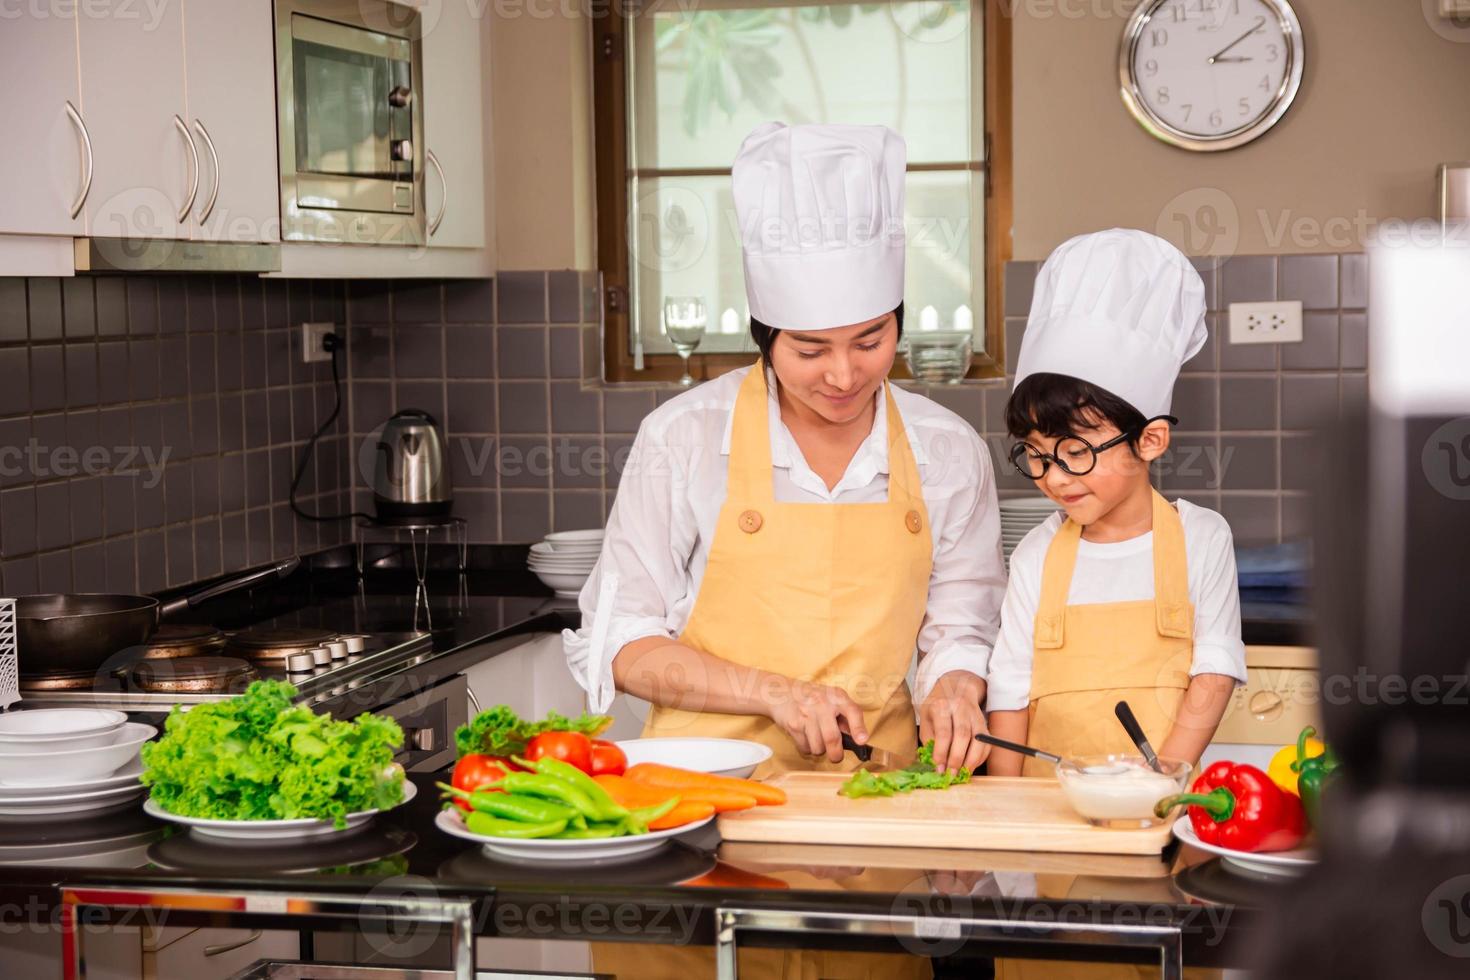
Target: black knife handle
{"points": [[864, 753]]}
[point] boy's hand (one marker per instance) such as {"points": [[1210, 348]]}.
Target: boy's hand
{"points": [[951, 716]]}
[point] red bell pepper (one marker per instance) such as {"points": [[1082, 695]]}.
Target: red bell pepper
{"points": [[1237, 806]]}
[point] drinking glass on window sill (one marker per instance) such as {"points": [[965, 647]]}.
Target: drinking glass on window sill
{"points": [[938, 357], [685, 320]]}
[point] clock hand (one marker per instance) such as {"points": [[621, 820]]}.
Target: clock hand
{"points": [[1260, 21], [1230, 61]]}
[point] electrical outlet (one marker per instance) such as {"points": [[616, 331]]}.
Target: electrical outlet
{"points": [[313, 349], [1266, 323]]}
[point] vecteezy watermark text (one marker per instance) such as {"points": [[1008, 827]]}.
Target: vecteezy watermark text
{"points": [[34, 460]]}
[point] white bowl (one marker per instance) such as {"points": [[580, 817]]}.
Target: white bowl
{"points": [[734, 757], [32, 769], [48, 730], [542, 549], [1120, 790], [590, 534], [564, 584]]}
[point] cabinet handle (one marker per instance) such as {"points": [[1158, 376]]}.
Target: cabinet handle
{"points": [[81, 125], [474, 703], [214, 160], [443, 201], [183, 128], [220, 948]]}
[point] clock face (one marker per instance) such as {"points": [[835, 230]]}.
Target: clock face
{"points": [[1211, 74]]}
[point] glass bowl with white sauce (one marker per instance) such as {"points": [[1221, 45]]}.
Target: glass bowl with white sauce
{"points": [[1120, 790]]}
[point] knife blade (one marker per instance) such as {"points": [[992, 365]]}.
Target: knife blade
{"points": [[872, 757]]}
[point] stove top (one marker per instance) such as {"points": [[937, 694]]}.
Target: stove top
{"points": [[320, 663]]}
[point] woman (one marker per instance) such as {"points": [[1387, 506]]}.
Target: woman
{"points": [[787, 536]]}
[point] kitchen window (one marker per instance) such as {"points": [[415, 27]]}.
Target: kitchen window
{"points": [[677, 86]]}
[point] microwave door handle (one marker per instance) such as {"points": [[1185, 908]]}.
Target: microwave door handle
{"points": [[444, 199]]}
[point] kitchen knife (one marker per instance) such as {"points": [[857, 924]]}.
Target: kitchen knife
{"points": [[880, 759]]}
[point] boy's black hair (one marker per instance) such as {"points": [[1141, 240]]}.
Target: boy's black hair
{"points": [[765, 336], [1057, 405]]}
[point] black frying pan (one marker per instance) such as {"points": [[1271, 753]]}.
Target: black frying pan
{"points": [[77, 633]]}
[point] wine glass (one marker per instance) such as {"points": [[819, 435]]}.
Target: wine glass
{"points": [[684, 321]]}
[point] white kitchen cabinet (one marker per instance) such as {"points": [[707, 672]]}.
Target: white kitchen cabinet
{"points": [[454, 107], [230, 91], [44, 167], [212, 954], [146, 158], [530, 676]]}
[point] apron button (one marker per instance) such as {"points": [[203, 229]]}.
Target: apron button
{"points": [[750, 521], [914, 522]]}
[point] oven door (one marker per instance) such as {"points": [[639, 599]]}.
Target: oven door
{"points": [[428, 719], [350, 121]]}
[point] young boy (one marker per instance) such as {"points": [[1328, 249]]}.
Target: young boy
{"points": [[1125, 596]]}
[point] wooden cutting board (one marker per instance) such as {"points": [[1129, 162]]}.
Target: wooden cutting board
{"points": [[990, 814]]}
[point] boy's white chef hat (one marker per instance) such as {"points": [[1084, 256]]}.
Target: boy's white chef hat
{"points": [[820, 209], [1121, 309]]}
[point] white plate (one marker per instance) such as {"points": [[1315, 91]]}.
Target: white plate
{"points": [[1278, 863], [47, 806], [126, 776], [19, 769], [605, 849], [47, 729], [565, 549], [735, 757], [552, 565], [273, 831]]}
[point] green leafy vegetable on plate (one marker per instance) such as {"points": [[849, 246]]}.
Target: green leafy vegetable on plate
{"points": [[920, 775], [259, 757], [499, 731]]}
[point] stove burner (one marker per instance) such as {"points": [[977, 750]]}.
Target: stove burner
{"points": [[193, 675], [275, 645], [58, 682], [168, 642]]}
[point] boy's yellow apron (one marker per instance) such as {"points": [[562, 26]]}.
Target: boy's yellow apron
{"points": [[1088, 658], [830, 593]]}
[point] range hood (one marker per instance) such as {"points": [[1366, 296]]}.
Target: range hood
{"points": [[103, 255]]}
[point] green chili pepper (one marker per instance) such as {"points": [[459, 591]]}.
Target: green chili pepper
{"points": [[649, 814], [608, 809], [596, 832], [1313, 775], [527, 809], [488, 826], [549, 787]]}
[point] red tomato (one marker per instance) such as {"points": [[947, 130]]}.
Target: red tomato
{"points": [[475, 772], [607, 758], [570, 747]]}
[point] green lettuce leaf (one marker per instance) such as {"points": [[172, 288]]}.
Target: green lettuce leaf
{"points": [[500, 731], [258, 757], [920, 775]]}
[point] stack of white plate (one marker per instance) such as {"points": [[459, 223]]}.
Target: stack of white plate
{"points": [[1017, 517], [565, 558], [69, 760]]}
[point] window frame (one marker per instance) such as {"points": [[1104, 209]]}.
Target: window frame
{"points": [[610, 121]]}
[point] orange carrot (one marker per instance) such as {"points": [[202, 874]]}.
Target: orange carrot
{"points": [[721, 800], [631, 794], [669, 777], [683, 813]]}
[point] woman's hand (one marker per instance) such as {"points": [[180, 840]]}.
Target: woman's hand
{"points": [[951, 716], [815, 716]]}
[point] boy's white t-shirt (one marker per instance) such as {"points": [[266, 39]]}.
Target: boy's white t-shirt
{"points": [[1121, 571]]}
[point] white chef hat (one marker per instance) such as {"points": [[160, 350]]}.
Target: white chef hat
{"points": [[1121, 309], [820, 209]]}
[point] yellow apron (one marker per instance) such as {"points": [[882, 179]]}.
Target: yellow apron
{"points": [[1089, 657], [830, 593]]}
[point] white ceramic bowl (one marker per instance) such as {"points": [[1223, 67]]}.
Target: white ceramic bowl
{"points": [[565, 584], [49, 730], [1120, 790], [734, 757], [48, 769], [543, 550]]}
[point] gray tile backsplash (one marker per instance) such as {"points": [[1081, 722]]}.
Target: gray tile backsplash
{"points": [[149, 426]]}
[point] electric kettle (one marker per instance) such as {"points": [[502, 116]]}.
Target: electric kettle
{"points": [[411, 471]]}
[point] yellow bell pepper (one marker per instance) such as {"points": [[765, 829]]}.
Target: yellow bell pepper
{"points": [[1280, 769]]}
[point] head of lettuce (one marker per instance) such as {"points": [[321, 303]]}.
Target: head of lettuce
{"points": [[259, 757]]}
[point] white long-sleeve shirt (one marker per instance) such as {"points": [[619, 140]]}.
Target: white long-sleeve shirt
{"points": [[669, 499], [1122, 571]]}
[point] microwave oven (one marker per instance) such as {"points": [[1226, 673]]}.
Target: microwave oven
{"points": [[349, 84]]}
